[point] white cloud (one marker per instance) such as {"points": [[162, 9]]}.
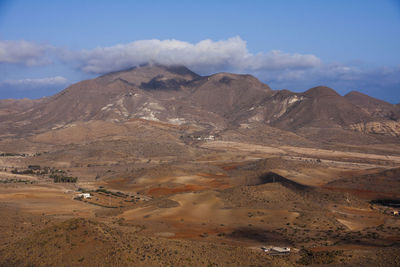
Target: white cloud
{"points": [[230, 54], [32, 83], [24, 52], [205, 56]]}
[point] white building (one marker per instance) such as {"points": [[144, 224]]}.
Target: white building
{"points": [[84, 195], [276, 250], [280, 250]]}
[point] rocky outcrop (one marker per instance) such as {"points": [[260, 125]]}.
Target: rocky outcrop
{"points": [[378, 127]]}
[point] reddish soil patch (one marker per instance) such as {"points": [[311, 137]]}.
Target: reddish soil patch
{"points": [[189, 231], [218, 184], [218, 175], [232, 166]]}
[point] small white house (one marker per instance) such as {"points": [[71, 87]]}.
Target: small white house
{"points": [[395, 213], [276, 250], [280, 250], [84, 195]]}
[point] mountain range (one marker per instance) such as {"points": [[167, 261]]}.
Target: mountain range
{"points": [[211, 104]]}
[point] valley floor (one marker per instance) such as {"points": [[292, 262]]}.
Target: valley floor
{"points": [[215, 207]]}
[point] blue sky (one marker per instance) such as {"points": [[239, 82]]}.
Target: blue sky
{"points": [[347, 45]]}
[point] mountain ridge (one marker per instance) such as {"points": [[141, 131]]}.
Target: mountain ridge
{"points": [[177, 95]]}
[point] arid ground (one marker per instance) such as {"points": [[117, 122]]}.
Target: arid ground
{"points": [[216, 207]]}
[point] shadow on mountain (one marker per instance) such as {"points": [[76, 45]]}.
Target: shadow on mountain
{"points": [[158, 83], [271, 177]]}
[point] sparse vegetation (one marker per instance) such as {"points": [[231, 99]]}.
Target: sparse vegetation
{"points": [[8, 154], [117, 194], [8, 181], [16, 171], [63, 179], [309, 257]]}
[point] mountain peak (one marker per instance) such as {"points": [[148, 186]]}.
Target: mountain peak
{"points": [[242, 81], [147, 73], [153, 67], [321, 91], [180, 70], [361, 99], [355, 94]]}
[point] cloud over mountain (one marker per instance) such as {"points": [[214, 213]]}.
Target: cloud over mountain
{"points": [[230, 54]]}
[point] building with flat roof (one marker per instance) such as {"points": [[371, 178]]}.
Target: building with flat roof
{"points": [[84, 195], [276, 250]]}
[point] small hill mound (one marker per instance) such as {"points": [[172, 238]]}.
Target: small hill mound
{"points": [[271, 177]]}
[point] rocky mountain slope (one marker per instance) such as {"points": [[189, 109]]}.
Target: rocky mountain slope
{"points": [[386, 116], [215, 103]]}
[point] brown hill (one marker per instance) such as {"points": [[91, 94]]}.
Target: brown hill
{"points": [[375, 107], [385, 117], [320, 107], [227, 94]]}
